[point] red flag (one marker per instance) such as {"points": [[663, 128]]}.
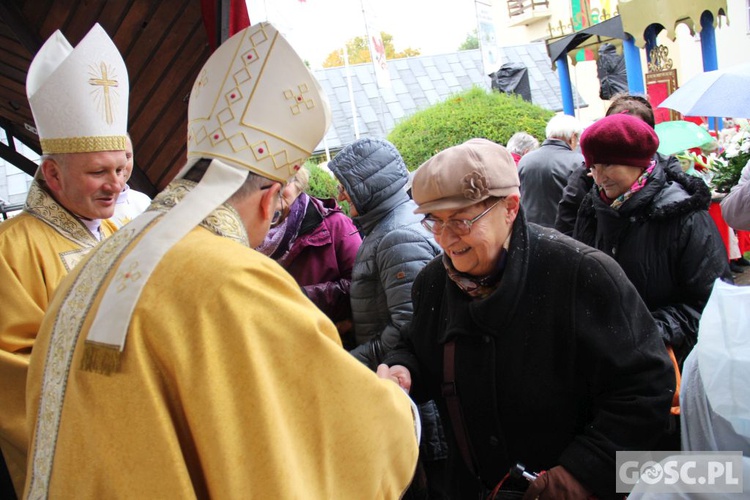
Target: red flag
{"points": [[238, 18]]}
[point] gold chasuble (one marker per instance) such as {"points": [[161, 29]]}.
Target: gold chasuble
{"points": [[38, 248], [232, 384]]}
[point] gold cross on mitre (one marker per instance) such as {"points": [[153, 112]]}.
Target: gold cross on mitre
{"points": [[105, 82]]}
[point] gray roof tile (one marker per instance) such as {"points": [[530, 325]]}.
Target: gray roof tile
{"points": [[442, 65], [420, 82], [432, 72], [433, 96], [371, 89], [396, 110], [407, 103], [389, 96], [416, 67], [464, 81], [364, 72], [398, 87], [400, 64], [426, 82], [451, 80], [336, 78], [457, 69], [442, 88], [368, 114], [341, 94], [409, 78]]}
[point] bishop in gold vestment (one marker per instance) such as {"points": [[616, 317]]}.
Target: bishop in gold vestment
{"points": [[72, 195], [232, 384], [38, 248], [177, 362]]}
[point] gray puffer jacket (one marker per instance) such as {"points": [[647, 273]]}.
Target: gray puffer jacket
{"points": [[394, 249]]}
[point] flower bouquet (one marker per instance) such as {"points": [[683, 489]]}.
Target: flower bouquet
{"points": [[728, 165]]}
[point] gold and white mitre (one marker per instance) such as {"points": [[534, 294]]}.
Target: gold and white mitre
{"points": [[256, 105], [79, 96]]}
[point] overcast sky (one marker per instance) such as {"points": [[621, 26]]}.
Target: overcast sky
{"points": [[315, 28]]}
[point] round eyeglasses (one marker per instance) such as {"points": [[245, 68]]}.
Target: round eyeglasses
{"points": [[460, 227]]}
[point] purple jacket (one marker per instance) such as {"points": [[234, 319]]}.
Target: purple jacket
{"points": [[322, 257]]}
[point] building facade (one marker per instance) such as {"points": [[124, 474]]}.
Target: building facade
{"points": [[534, 20]]}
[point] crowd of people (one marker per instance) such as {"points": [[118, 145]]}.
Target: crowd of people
{"points": [[238, 336]]}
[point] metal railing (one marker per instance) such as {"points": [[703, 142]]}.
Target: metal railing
{"points": [[8, 210], [521, 7]]}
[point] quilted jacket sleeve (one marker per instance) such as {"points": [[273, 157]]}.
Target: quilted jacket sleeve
{"points": [[401, 256]]}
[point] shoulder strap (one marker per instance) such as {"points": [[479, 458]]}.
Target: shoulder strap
{"points": [[454, 407]]}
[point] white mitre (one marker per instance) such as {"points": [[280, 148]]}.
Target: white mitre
{"points": [[79, 96], [255, 107]]}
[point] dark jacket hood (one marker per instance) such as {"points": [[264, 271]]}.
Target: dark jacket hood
{"points": [[371, 171], [374, 175]]}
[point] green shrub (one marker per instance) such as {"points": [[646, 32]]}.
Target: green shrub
{"points": [[323, 184], [474, 113]]}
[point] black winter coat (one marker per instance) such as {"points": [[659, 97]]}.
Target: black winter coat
{"points": [[562, 364], [668, 246], [544, 173]]}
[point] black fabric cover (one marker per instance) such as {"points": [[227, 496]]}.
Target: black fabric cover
{"points": [[512, 78], [610, 68]]}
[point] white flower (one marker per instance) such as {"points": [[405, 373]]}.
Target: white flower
{"points": [[721, 160]]}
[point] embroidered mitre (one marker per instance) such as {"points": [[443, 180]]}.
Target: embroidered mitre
{"points": [[255, 105], [79, 96]]}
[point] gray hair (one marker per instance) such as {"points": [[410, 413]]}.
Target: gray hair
{"points": [[563, 127], [521, 143], [301, 179]]}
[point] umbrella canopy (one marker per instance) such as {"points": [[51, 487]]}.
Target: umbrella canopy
{"points": [[721, 93], [679, 135]]}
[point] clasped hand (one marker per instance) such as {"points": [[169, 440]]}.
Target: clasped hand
{"points": [[397, 373]]}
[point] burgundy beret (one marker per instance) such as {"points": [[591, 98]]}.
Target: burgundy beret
{"points": [[619, 139]]}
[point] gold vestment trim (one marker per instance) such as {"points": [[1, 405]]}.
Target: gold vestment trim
{"points": [[68, 325]]}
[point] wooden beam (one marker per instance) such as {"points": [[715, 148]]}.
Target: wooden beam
{"points": [[20, 26], [9, 153]]}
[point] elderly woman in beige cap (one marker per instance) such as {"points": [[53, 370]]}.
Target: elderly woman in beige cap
{"points": [[536, 348]]}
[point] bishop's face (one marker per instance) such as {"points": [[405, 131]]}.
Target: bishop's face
{"points": [[87, 184]]}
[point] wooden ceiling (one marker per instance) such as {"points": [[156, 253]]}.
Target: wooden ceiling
{"points": [[164, 45]]}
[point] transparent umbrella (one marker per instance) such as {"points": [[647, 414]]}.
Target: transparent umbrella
{"points": [[679, 135], [721, 93]]}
